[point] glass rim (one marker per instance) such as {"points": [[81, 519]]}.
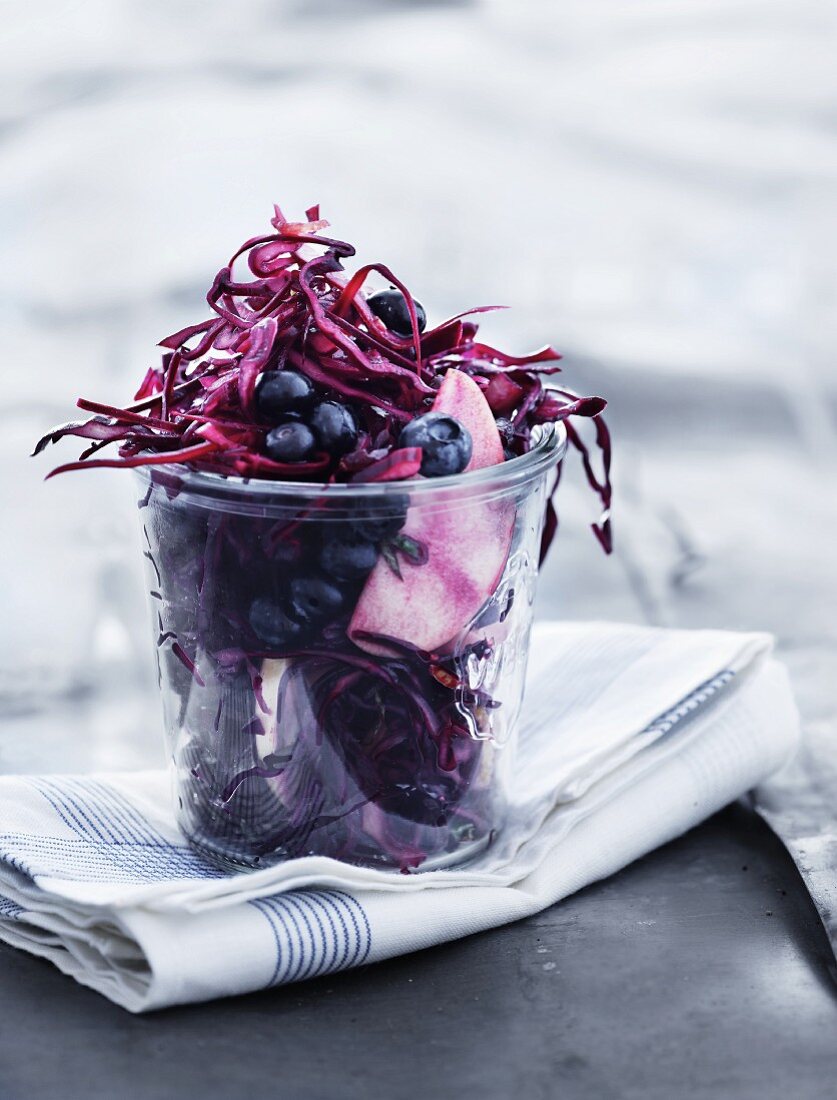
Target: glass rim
{"points": [[548, 449]]}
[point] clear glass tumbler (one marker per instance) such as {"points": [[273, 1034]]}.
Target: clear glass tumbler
{"points": [[342, 666]]}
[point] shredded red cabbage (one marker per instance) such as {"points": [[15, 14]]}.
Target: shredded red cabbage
{"points": [[300, 309]]}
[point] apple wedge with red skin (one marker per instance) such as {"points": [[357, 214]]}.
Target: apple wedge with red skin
{"points": [[467, 543]]}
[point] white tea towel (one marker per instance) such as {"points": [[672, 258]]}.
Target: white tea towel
{"points": [[630, 736]]}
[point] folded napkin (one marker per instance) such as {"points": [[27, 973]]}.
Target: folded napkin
{"points": [[629, 737]]}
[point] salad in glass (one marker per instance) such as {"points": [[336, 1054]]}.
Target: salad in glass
{"points": [[343, 513]]}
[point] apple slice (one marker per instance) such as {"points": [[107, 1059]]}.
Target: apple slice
{"points": [[460, 396], [467, 545]]}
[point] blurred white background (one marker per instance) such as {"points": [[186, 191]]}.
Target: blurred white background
{"points": [[650, 186]]}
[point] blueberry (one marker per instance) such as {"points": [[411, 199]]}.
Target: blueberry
{"points": [[348, 557], [380, 520], [390, 306], [290, 442], [314, 599], [445, 442], [334, 427], [506, 430], [271, 623], [283, 391]]}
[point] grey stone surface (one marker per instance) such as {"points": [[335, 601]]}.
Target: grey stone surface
{"points": [[648, 186]]}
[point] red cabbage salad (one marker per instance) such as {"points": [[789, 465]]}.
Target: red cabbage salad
{"points": [[313, 692], [300, 312]]}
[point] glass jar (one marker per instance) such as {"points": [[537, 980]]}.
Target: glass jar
{"points": [[342, 666]]}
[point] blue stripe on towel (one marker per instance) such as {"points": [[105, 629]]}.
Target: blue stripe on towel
{"points": [[124, 862], [96, 812], [10, 910], [315, 932], [112, 841], [702, 694], [357, 915]]}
